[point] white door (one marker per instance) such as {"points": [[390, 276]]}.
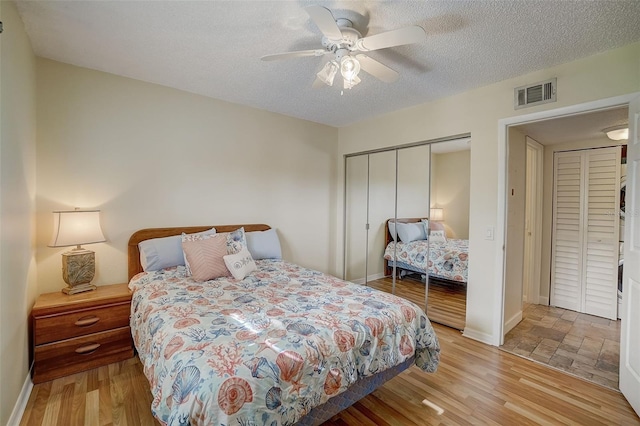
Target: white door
{"points": [[630, 334], [532, 222]]}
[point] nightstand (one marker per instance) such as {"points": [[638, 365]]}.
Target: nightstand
{"points": [[72, 333]]}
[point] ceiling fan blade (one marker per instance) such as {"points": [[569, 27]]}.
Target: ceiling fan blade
{"points": [[407, 35], [297, 54], [376, 69], [325, 21]]}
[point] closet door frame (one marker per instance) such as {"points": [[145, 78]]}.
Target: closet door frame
{"points": [[395, 148]]}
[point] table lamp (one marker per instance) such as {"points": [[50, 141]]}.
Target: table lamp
{"points": [[436, 214], [75, 228]]}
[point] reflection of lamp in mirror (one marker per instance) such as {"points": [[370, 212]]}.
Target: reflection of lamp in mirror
{"points": [[436, 214], [75, 228]]}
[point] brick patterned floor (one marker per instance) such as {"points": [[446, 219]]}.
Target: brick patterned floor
{"points": [[583, 345]]}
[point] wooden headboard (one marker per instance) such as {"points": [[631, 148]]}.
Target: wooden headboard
{"points": [[146, 234]]}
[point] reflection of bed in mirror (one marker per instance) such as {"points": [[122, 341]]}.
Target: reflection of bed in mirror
{"points": [[448, 257]]}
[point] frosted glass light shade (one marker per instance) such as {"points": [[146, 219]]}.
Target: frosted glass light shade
{"points": [[349, 68], [436, 214], [617, 133], [76, 227], [328, 72]]}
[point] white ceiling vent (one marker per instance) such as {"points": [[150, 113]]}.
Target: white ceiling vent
{"points": [[535, 94]]}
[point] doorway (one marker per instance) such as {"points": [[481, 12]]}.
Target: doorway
{"points": [[533, 329]]}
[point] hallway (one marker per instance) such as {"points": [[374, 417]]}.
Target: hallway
{"points": [[583, 345]]}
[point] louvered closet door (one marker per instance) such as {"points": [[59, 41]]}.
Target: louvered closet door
{"points": [[566, 267], [585, 231], [602, 221]]}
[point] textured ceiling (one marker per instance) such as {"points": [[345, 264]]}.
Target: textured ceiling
{"points": [[579, 127], [213, 47]]}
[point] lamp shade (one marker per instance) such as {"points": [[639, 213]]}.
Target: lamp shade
{"points": [[436, 214], [76, 227]]}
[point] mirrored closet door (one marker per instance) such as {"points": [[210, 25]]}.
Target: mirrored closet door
{"points": [[389, 196]]}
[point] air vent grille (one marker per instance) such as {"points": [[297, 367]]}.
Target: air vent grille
{"points": [[535, 94]]}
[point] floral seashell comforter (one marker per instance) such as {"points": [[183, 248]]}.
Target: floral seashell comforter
{"points": [[269, 348], [448, 259]]}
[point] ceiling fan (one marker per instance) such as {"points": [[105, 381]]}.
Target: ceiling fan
{"points": [[345, 43]]}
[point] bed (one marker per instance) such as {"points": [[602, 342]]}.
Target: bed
{"points": [[285, 345], [448, 257]]}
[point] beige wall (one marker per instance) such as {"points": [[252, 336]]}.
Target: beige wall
{"points": [[611, 73], [547, 209], [450, 183], [17, 203], [151, 156]]}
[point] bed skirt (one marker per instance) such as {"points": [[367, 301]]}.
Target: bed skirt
{"points": [[357, 391]]}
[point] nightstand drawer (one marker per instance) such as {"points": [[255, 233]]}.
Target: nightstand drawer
{"points": [[71, 324], [82, 353]]}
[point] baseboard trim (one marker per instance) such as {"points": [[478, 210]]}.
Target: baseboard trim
{"points": [[21, 403], [512, 322], [371, 278], [479, 336], [543, 301]]}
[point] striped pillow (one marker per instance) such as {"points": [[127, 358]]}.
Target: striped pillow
{"points": [[205, 257]]}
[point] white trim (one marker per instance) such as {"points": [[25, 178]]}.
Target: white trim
{"points": [[21, 403], [497, 336], [478, 335], [513, 321], [373, 277], [543, 301]]}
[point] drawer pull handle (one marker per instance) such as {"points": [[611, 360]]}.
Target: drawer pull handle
{"points": [[88, 348], [86, 321]]}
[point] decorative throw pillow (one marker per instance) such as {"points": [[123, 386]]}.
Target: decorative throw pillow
{"points": [[206, 257], [263, 244], [198, 236], [240, 264], [236, 241], [425, 224], [160, 253], [438, 236]]}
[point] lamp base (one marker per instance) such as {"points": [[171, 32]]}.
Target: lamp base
{"points": [[78, 270], [79, 288]]}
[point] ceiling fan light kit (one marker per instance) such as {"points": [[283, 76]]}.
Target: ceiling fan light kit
{"points": [[344, 42]]}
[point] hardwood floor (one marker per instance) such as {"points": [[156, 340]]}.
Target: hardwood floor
{"points": [[447, 302], [475, 384]]}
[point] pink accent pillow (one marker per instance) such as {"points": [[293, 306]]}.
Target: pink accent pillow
{"points": [[205, 257]]}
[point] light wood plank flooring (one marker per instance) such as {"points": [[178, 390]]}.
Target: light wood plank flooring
{"points": [[447, 302], [475, 384]]}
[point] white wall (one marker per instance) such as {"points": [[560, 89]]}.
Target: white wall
{"points": [[611, 73], [18, 285], [151, 156], [450, 183]]}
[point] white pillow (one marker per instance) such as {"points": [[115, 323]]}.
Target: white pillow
{"points": [[160, 253], [264, 244], [392, 230], [438, 236], [240, 264], [411, 232]]}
